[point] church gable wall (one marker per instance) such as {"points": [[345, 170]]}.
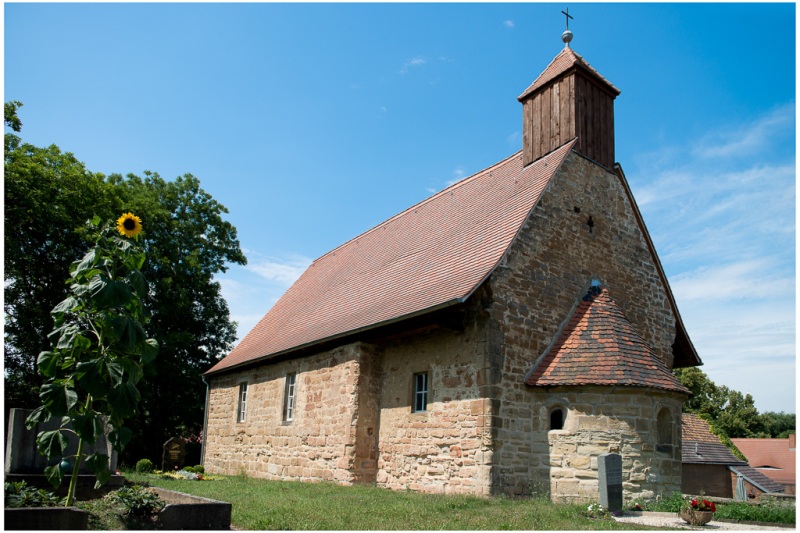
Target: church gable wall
{"points": [[583, 228]]}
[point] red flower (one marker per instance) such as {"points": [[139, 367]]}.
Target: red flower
{"points": [[713, 508], [694, 504]]}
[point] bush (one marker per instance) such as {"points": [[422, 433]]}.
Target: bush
{"points": [[144, 466], [19, 494], [190, 469], [137, 500], [200, 469]]}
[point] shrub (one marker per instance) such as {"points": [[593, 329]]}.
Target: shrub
{"points": [[190, 469], [144, 466], [200, 469], [137, 500], [19, 494]]}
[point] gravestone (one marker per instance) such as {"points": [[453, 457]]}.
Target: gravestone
{"points": [[22, 456], [174, 454], [609, 469]]}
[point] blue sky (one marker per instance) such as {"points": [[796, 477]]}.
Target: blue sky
{"points": [[314, 122]]}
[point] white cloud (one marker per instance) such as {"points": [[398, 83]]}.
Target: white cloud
{"points": [[508, 23], [721, 212], [747, 138], [414, 62], [282, 270]]}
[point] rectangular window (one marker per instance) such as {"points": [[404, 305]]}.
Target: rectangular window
{"points": [[420, 392], [288, 397], [242, 403]]}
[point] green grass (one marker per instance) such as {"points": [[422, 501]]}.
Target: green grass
{"points": [[262, 504]]}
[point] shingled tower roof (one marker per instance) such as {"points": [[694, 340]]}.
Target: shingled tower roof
{"points": [[599, 346]]}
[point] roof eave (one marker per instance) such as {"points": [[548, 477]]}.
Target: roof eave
{"points": [[338, 336]]}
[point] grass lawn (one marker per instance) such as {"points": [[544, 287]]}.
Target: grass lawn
{"points": [[262, 504]]}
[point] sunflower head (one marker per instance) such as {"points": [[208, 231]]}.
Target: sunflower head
{"points": [[129, 225]]}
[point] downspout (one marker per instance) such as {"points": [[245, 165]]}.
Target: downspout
{"points": [[205, 423]]}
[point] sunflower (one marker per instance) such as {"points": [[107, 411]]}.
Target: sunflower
{"points": [[129, 225]]}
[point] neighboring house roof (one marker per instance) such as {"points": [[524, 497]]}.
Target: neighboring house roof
{"points": [[701, 447], [694, 428], [563, 63], [599, 346], [774, 454], [430, 256]]}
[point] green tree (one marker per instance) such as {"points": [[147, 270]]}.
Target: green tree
{"points": [[778, 425], [730, 412], [189, 243], [48, 195], [99, 350]]}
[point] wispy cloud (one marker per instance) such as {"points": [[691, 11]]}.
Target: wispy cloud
{"points": [[282, 270], [721, 212], [508, 23], [414, 62], [745, 139]]}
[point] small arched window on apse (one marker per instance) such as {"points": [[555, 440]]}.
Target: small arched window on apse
{"points": [[557, 416], [664, 427]]}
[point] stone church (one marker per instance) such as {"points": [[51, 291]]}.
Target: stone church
{"points": [[495, 338]]}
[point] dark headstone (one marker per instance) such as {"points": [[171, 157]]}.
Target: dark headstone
{"points": [[609, 469], [174, 454]]}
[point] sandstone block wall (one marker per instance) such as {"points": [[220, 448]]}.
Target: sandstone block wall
{"points": [[320, 443], [600, 420], [583, 228], [447, 448]]}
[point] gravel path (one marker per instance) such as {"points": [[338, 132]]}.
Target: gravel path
{"points": [[671, 520]]}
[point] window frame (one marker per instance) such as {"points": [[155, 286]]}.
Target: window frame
{"points": [[420, 394], [241, 403], [289, 397]]}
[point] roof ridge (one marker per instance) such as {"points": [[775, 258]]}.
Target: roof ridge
{"points": [[422, 202]]}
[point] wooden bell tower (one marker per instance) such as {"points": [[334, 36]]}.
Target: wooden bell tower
{"points": [[569, 99]]}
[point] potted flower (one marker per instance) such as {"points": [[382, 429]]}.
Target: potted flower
{"points": [[698, 512]]}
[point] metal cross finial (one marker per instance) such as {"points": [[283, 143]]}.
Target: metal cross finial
{"points": [[568, 16]]}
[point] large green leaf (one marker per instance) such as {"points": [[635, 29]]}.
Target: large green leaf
{"points": [[68, 334], [137, 280], [129, 332], [58, 397], [51, 443], [98, 463], [84, 264], [108, 293], [123, 399], [119, 437], [54, 475], [65, 306], [88, 426], [39, 415], [149, 350], [91, 377], [48, 364]]}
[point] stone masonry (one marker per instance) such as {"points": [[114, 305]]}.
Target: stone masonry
{"points": [[585, 229]]}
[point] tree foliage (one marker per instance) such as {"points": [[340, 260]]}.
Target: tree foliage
{"points": [[731, 413], [48, 196]]}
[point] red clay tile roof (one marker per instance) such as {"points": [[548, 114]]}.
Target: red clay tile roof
{"points": [[434, 254], [773, 453], [564, 61], [696, 429], [599, 346]]}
